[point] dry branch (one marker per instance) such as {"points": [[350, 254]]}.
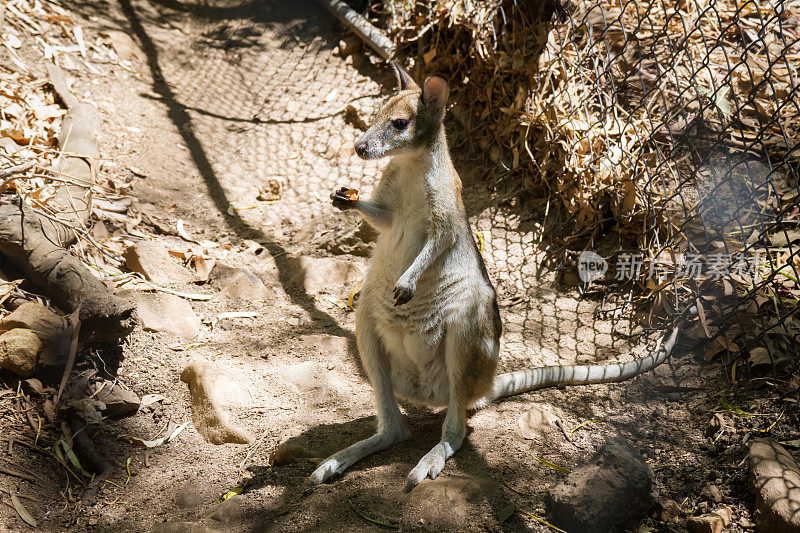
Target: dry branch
{"points": [[33, 245], [365, 31]]}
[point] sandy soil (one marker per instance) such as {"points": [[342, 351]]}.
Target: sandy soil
{"points": [[227, 97]]}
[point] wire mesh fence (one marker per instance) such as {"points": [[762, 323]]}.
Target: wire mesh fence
{"points": [[663, 136]]}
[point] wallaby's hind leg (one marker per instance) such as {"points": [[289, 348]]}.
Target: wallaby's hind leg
{"points": [[471, 363], [391, 427]]}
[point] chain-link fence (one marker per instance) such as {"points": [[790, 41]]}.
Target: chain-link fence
{"points": [[663, 136]]}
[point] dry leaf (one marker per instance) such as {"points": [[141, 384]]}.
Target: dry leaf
{"points": [[21, 511]]}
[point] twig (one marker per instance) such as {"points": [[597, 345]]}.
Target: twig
{"points": [[14, 473], [13, 171]]}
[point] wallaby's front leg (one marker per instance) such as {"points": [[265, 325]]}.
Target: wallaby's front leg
{"points": [[407, 284], [378, 215], [391, 427]]}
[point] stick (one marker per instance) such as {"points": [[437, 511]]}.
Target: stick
{"points": [[361, 27], [16, 169]]}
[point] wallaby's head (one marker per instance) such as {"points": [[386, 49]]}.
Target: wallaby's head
{"points": [[409, 120]]}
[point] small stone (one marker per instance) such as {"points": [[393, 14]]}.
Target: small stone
{"points": [[705, 524], [324, 274], [125, 47], [193, 495], [725, 514], [746, 522], [717, 422], [307, 376], [229, 511], [119, 402], [34, 316], [711, 493], [350, 44], [152, 260], [239, 283], [53, 330], [19, 349], [451, 503], [610, 493], [539, 424], [182, 527], [670, 510], [165, 312], [212, 391], [775, 480]]}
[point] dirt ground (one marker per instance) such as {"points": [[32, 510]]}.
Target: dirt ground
{"points": [[226, 97]]}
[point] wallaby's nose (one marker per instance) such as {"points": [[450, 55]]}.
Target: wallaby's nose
{"points": [[361, 149]]}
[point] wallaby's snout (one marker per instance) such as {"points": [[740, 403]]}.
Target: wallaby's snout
{"points": [[362, 147]]}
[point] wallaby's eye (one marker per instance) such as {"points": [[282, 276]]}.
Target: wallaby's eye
{"points": [[400, 124]]}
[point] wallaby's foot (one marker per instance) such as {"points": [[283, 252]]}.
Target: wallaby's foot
{"points": [[344, 459], [430, 465], [403, 292], [344, 198]]}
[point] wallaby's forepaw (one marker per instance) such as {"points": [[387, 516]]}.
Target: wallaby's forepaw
{"points": [[403, 292], [430, 465], [342, 200]]}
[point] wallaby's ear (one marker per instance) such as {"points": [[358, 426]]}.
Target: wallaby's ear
{"points": [[434, 95], [404, 80]]}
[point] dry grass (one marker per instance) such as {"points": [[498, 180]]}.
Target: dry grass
{"points": [[669, 129]]}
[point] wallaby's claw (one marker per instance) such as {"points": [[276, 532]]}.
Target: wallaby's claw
{"points": [[402, 294], [429, 466], [341, 200]]}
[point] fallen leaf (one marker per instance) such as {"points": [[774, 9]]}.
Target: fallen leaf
{"points": [[506, 512], [21, 511], [759, 356], [149, 399], [169, 436]]}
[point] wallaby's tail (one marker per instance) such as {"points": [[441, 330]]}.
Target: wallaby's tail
{"points": [[530, 379]]}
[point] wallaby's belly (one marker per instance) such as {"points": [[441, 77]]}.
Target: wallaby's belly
{"points": [[414, 333]]}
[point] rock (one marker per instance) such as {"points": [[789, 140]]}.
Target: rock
{"points": [[350, 44], [153, 261], [705, 524], [119, 402], [239, 283], [208, 388], [35, 316], [229, 511], [775, 480], [19, 349], [450, 503], [165, 312], [182, 527], [746, 522], [670, 510], [307, 376], [539, 424], [327, 273], [608, 494], [289, 451], [125, 47], [52, 329], [717, 422], [193, 494], [711, 493], [725, 514]]}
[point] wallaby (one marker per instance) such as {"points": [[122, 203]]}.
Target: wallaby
{"points": [[427, 322]]}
